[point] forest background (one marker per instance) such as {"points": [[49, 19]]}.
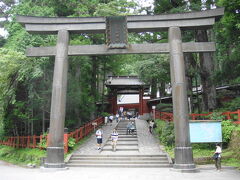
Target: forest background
{"points": [[26, 83]]}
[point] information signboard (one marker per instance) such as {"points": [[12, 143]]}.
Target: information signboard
{"points": [[205, 131]]}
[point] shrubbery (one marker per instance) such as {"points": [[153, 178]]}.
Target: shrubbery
{"points": [[71, 142], [165, 131], [227, 129]]}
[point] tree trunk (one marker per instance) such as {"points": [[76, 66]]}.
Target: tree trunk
{"points": [[94, 84], [153, 88], [103, 85], [189, 59], [76, 108], [162, 89], [43, 119], [207, 69]]}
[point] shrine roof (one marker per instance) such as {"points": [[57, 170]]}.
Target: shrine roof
{"points": [[124, 80]]}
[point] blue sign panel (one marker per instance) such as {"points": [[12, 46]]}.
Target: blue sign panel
{"points": [[205, 131]]}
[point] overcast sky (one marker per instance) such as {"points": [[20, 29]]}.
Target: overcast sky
{"points": [[145, 3]]}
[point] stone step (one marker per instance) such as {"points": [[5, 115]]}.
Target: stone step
{"points": [[119, 144], [121, 158], [121, 149], [126, 139], [123, 142], [123, 146], [116, 162], [127, 136], [120, 165], [125, 133], [132, 156], [123, 129]]}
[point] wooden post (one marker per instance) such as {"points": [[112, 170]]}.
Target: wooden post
{"points": [[65, 143], [238, 114], [34, 141]]}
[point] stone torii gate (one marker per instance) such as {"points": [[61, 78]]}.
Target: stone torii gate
{"points": [[116, 29]]}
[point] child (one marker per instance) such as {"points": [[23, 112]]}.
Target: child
{"points": [[114, 137], [99, 135]]}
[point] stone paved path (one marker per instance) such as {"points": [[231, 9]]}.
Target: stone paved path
{"points": [[90, 146], [147, 143]]}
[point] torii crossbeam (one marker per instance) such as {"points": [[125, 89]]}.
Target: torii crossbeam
{"points": [[117, 44]]}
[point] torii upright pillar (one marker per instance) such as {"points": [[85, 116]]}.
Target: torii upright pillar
{"points": [[183, 149], [55, 149]]}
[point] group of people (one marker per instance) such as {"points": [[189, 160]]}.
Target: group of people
{"points": [[114, 138], [114, 135]]}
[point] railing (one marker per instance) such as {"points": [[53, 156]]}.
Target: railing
{"points": [[169, 116], [33, 141], [83, 131], [21, 141]]}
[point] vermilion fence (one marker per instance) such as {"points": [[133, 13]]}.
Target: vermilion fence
{"points": [[32, 141], [229, 115]]}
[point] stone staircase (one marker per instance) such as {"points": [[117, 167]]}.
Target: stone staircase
{"points": [[126, 142], [119, 161], [127, 154]]}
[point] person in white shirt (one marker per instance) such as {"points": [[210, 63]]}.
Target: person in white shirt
{"points": [[117, 117], [217, 156], [111, 119], [114, 137], [99, 135]]}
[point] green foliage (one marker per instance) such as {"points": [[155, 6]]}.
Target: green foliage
{"points": [[154, 67], [21, 156], [233, 105], [216, 116], [165, 132], [227, 39], [43, 142], [105, 114], [164, 107], [25, 83], [163, 6], [227, 129], [153, 70], [2, 41], [114, 8], [71, 142]]}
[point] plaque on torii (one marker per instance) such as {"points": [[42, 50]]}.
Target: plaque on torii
{"points": [[116, 43], [116, 32]]}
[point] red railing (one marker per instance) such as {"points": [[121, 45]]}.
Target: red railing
{"points": [[169, 116], [32, 141], [83, 131], [21, 141]]}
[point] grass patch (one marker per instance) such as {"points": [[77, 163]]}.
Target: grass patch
{"points": [[24, 156], [231, 162], [227, 160], [21, 156]]}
